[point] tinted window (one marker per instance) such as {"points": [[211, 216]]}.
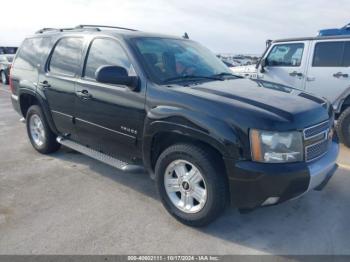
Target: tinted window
{"points": [[285, 55], [166, 58], [105, 52], [328, 54], [66, 56], [8, 50], [31, 53], [346, 57]]}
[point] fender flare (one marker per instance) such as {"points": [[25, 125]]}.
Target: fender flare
{"points": [[338, 103], [42, 103], [207, 129]]}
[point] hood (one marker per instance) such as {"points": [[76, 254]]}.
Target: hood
{"points": [[260, 104]]}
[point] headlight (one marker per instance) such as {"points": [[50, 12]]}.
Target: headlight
{"points": [[276, 147]]}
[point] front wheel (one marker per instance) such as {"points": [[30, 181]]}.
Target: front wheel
{"points": [[191, 184], [39, 132]]}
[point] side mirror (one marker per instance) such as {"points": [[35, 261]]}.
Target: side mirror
{"points": [[262, 65], [116, 75]]}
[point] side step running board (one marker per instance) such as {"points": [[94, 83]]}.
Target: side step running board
{"points": [[99, 156]]}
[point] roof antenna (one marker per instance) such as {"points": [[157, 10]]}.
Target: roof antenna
{"points": [[185, 36]]}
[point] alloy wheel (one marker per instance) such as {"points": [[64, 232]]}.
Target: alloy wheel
{"points": [[185, 186], [37, 130]]}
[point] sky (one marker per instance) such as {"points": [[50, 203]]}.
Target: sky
{"points": [[224, 26]]}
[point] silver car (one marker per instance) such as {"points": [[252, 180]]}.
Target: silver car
{"points": [[5, 64]]}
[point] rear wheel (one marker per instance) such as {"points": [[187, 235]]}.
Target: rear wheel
{"points": [[4, 78], [191, 184], [343, 127], [39, 132]]}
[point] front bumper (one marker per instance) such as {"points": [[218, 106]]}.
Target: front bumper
{"points": [[253, 184]]}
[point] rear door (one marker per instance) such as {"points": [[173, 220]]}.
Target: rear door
{"points": [[57, 82], [328, 72], [286, 63]]}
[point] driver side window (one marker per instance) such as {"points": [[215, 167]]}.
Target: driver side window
{"points": [[105, 52], [289, 55]]}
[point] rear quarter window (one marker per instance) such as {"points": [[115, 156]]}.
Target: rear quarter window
{"points": [[32, 52], [66, 57]]}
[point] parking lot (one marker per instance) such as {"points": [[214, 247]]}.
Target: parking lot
{"points": [[67, 203]]}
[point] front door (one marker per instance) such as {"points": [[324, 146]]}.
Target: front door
{"points": [[58, 82], [109, 118], [285, 64], [329, 72]]}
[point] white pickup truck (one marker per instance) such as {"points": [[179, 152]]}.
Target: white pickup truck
{"points": [[319, 65]]}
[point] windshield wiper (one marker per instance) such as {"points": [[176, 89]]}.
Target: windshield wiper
{"points": [[192, 78], [225, 74]]}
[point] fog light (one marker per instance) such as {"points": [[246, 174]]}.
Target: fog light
{"points": [[270, 201]]}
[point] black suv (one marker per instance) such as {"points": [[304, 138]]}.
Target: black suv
{"points": [[133, 99]]}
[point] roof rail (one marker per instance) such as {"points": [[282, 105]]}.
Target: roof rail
{"points": [[104, 26], [82, 27], [63, 29], [45, 30]]}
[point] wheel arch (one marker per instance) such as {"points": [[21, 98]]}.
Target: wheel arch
{"points": [[345, 104], [342, 102], [28, 98], [161, 134], [165, 139]]}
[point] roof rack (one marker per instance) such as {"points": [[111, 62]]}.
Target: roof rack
{"points": [[82, 27], [56, 29], [45, 30], [104, 26]]}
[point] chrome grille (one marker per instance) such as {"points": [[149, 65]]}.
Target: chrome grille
{"points": [[316, 130], [316, 140], [316, 150]]}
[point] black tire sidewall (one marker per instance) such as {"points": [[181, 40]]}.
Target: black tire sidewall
{"points": [[36, 110], [344, 127], [205, 215]]}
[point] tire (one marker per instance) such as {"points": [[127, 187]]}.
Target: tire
{"points": [[4, 78], [214, 184], [343, 127], [40, 134]]}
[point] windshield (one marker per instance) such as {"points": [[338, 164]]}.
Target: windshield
{"points": [[178, 59]]}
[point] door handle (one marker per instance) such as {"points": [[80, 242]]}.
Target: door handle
{"points": [[44, 84], [310, 78], [340, 74], [295, 73], [84, 94]]}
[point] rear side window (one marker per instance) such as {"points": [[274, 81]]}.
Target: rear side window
{"points": [[285, 55], [328, 54], [66, 56], [105, 52], [32, 52], [346, 57]]}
